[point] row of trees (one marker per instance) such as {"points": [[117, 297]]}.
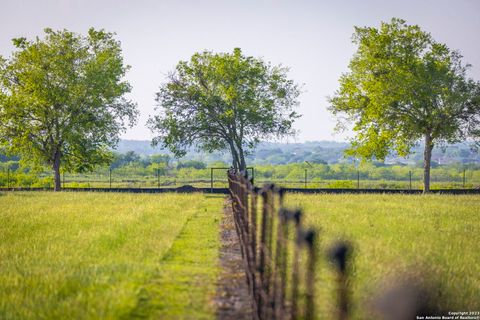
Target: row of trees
{"points": [[166, 162], [62, 99]]}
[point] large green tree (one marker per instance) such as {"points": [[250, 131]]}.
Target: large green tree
{"points": [[224, 101], [404, 87], [62, 100]]}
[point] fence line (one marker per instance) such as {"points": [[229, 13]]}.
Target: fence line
{"points": [[279, 253], [119, 178]]}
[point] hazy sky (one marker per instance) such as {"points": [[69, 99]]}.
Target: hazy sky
{"points": [[310, 37]]}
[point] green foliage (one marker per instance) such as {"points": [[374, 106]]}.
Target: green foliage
{"points": [[45, 182], [404, 86], [341, 184], [62, 99], [191, 164], [312, 151], [160, 158], [123, 159], [226, 102], [144, 173]]}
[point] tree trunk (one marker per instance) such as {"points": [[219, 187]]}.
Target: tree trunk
{"points": [[238, 156], [56, 170], [235, 158], [235, 163], [243, 164], [427, 158]]}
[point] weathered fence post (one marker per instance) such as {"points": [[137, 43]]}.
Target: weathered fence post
{"points": [[263, 242], [339, 255], [271, 253], [310, 276], [295, 268], [281, 261], [253, 244]]}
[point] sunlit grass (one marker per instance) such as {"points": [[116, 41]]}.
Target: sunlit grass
{"points": [[90, 256], [114, 256], [436, 237]]}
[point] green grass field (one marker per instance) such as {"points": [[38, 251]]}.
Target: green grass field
{"points": [[126, 256], [435, 238], [109, 256]]}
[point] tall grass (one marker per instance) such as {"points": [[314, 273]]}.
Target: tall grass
{"points": [[435, 238], [90, 256]]}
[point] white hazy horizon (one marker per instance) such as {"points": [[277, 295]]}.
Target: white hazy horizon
{"points": [[310, 37]]}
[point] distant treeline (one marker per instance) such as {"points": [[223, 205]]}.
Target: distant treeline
{"points": [[313, 152]]}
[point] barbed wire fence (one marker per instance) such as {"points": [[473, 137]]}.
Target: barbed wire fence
{"points": [[214, 177], [280, 253]]}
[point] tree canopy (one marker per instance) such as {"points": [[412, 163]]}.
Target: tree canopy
{"points": [[224, 101], [62, 100], [404, 86]]}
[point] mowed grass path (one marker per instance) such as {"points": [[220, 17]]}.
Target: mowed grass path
{"points": [[433, 237], [109, 256]]}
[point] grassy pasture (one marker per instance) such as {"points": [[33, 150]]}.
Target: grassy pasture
{"points": [[435, 238], [110, 256], [124, 256]]}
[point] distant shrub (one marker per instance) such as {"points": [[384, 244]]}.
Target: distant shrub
{"points": [[79, 185], [341, 184], [388, 185], [46, 182], [191, 164]]}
